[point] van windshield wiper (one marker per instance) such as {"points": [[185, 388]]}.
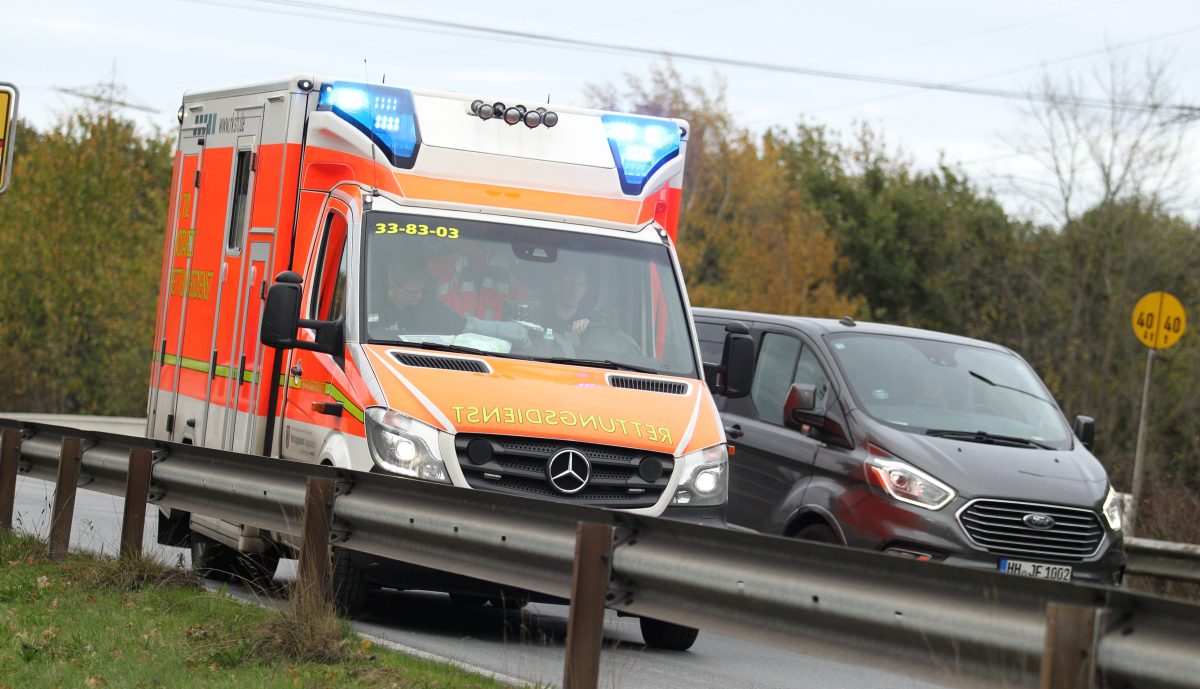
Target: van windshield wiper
{"points": [[598, 363], [987, 438], [980, 376], [458, 349]]}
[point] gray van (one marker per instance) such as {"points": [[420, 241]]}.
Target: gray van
{"points": [[915, 443]]}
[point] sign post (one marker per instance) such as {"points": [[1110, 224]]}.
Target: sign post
{"points": [[1159, 320], [8, 126]]}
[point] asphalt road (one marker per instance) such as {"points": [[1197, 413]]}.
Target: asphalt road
{"points": [[526, 645]]}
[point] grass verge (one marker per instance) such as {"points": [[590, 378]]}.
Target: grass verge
{"points": [[97, 622]]}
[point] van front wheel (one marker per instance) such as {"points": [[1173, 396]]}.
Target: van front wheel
{"points": [[667, 635]]}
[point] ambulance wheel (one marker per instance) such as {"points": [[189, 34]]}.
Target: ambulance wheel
{"points": [[667, 635], [211, 559], [350, 586]]}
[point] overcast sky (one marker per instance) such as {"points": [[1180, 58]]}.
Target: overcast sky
{"points": [[159, 49]]}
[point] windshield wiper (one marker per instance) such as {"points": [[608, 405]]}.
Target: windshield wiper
{"points": [[980, 376], [987, 438], [598, 363], [458, 349]]}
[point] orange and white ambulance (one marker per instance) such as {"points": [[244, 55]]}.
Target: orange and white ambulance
{"points": [[461, 290]]}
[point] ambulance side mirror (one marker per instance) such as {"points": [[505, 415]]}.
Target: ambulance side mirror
{"points": [[281, 319], [281, 313]]}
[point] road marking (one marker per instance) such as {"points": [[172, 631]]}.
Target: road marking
{"points": [[426, 655]]}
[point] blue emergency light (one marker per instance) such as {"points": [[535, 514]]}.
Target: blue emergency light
{"points": [[640, 145], [384, 113]]}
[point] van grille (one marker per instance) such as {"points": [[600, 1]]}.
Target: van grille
{"points": [[517, 466], [998, 527], [445, 363], [670, 387]]}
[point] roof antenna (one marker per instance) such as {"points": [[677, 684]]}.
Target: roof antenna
{"points": [[374, 171]]}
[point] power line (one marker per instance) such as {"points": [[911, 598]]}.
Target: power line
{"points": [[359, 15]]}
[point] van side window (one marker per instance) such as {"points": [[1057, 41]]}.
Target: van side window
{"points": [[329, 286], [773, 376], [712, 341], [241, 187], [809, 372]]}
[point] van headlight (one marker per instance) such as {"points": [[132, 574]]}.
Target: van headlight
{"points": [[703, 478], [905, 482], [402, 445], [1112, 509]]}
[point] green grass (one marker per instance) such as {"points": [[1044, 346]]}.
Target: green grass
{"points": [[93, 622]]}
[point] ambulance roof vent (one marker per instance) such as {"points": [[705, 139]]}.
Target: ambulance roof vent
{"points": [[669, 387], [445, 363]]}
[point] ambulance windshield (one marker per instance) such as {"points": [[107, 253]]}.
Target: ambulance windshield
{"points": [[524, 292]]}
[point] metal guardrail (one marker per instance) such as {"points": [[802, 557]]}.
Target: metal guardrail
{"points": [[1163, 559], [947, 624]]}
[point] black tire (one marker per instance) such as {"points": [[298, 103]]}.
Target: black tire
{"points": [[211, 559], [819, 533], [666, 635], [350, 586]]}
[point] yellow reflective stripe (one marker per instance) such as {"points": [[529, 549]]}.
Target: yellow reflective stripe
{"points": [[252, 377]]}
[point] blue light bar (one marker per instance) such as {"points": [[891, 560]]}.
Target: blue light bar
{"points": [[384, 113], [640, 145]]}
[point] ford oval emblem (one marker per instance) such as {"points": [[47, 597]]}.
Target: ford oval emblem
{"points": [[1038, 521]]}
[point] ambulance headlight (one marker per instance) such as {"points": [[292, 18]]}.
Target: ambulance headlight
{"points": [[402, 445], [704, 477]]}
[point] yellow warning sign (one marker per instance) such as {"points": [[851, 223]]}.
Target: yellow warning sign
{"points": [[1159, 320], [8, 114]]}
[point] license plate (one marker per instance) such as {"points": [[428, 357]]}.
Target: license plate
{"points": [[1036, 570]]}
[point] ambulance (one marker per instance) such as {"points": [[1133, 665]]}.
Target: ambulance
{"points": [[473, 291]]}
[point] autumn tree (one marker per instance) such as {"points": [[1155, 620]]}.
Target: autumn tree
{"points": [[81, 239]]}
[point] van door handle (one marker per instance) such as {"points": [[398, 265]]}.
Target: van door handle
{"points": [[734, 431]]}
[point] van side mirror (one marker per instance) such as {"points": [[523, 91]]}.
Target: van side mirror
{"points": [[1085, 430], [732, 377], [800, 413], [281, 319], [800, 409]]}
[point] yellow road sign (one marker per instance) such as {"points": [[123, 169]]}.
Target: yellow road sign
{"points": [[1159, 320], [8, 115]]}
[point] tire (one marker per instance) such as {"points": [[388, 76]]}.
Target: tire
{"points": [[350, 586], [666, 635], [819, 533], [211, 559]]}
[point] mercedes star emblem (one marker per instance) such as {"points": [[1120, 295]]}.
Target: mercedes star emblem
{"points": [[568, 471]]}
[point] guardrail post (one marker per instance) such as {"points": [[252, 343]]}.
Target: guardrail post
{"points": [[137, 489], [585, 622], [69, 457], [10, 456], [1072, 635], [312, 581]]}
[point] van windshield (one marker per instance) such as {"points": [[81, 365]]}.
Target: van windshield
{"points": [[946, 388], [524, 292]]}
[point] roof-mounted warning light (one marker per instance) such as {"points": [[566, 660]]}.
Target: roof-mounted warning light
{"points": [[640, 145], [384, 113], [514, 114]]}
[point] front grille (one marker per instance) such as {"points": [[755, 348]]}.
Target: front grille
{"points": [[670, 387], [998, 527], [445, 363], [517, 466]]}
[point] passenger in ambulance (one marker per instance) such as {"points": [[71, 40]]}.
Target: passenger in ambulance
{"points": [[565, 311], [412, 309]]}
